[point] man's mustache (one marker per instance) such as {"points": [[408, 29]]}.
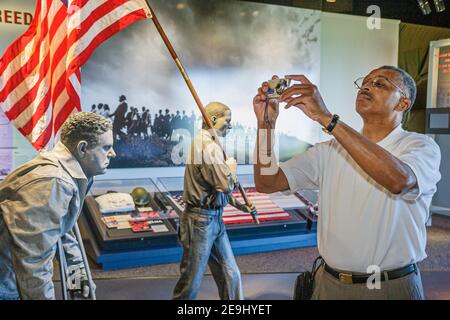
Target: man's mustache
{"points": [[367, 93]]}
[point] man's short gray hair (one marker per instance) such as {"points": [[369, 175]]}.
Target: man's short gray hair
{"points": [[85, 126], [408, 82]]}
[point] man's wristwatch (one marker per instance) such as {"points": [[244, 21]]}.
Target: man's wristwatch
{"points": [[329, 128]]}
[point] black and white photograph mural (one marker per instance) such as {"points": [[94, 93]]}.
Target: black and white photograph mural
{"points": [[133, 80]]}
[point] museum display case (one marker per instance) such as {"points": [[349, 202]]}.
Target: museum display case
{"points": [[122, 237], [276, 212]]}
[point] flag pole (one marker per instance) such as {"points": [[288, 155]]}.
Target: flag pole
{"points": [[195, 95]]}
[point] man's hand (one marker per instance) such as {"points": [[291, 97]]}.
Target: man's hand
{"points": [[265, 116], [306, 97], [248, 208], [232, 164]]}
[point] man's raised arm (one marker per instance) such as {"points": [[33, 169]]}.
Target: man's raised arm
{"points": [[268, 176]]}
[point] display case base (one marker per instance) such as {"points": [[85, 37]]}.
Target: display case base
{"points": [[241, 244]]}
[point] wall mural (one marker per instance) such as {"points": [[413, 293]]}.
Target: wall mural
{"points": [[228, 48]]}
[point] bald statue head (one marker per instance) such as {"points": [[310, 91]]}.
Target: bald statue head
{"points": [[220, 116]]}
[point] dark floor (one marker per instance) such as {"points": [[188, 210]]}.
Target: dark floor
{"points": [[297, 260], [268, 275], [266, 286]]}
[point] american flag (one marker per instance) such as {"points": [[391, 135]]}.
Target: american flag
{"points": [[40, 83], [267, 209]]}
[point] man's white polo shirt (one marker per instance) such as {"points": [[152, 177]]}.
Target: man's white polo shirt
{"points": [[360, 222]]}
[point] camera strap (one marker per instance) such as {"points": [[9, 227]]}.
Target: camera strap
{"points": [[266, 113], [316, 265]]}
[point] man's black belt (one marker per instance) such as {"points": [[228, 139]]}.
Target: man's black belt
{"points": [[202, 210], [349, 278]]}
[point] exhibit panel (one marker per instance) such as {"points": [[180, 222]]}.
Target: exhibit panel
{"points": [[438, 116], [124, 235]]}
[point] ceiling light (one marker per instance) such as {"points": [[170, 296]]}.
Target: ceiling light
{"points": [[424, 6], [439, 5]]}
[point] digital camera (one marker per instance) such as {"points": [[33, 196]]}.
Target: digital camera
{"points": [[277, 87]]}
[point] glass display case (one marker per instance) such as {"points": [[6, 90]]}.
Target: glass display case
{"points": [[149, 224], [147, 234], [276, 211]]}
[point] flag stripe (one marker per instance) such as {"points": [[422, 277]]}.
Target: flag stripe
{"points": [[61, 101], [36, 90], [81, 21], [39, 112], [62, 116], [78, 74], [59, 93], [267, 215], [58, 21], [41, 125], [18, 77], [27, 114], [43, 138], [249, 220], [18, 99], [59, 79], [102, 30]]}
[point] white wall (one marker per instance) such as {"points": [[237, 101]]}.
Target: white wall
{"points": [[350, 50]]}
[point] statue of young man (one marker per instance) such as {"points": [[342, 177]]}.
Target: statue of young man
{"points": [[40, 202]]}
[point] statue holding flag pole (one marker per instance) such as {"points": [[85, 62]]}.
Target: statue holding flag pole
{"points": [[40, 72], [206, 242]]}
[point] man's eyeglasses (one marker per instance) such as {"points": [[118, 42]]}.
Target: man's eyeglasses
{"points": [[378, 82]]}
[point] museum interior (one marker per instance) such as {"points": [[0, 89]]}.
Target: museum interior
{"points": [[128, 229]]}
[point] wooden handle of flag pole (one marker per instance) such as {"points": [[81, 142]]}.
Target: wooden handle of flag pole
{"points": [[195, 95]]}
